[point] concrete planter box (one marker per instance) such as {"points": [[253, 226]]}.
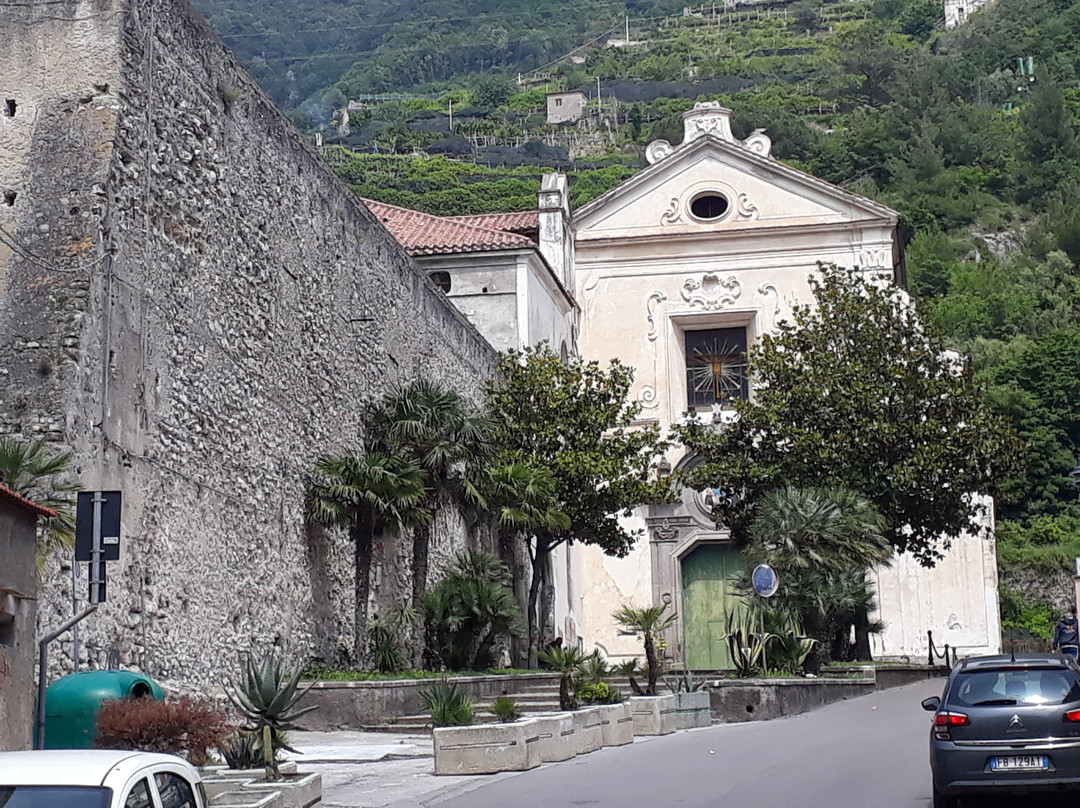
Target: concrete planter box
{"points": [[245, 799], [617, 723], [557, 735], [653, 715], [486, 748], [588, 729], [297, 790], [693, 710]]}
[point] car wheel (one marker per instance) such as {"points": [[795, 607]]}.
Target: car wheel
{"points": [[944, 800]]}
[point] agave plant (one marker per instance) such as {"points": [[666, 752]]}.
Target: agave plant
{"points": [[684, 682], [267, 697], [506, 709], [448, 704], [746, 643]]}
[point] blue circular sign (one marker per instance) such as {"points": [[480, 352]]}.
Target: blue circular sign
{"points": [[765, 580]]}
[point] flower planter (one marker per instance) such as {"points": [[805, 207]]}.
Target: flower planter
{"points": [[693, 710], [653, 715], [245, 799], [557, 735], [486, 748], [589, 729], [297, 790], [617, 723]]}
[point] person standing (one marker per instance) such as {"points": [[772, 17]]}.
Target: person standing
{"points": [[1066, 636]]}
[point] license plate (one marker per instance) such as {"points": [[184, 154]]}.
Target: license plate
{"points": [[1019, 763]]}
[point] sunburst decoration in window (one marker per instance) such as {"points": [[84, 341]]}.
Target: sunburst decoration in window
{"points": [[718, 370]]}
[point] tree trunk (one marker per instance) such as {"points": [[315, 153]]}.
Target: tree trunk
{"points": [[654, 666], [361, 532], [862, 635], [538, 562]]}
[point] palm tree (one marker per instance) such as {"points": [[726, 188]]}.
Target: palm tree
{"points": [[821, 542], [650, 623], [568, 662], [520, 498], [32, 469], [435, 430], [370, 494]]}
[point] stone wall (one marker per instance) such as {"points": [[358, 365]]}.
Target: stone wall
{"points": [[194, 302]]}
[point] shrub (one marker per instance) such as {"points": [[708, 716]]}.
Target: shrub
{"points": [[182, 726], [599, 693], [448, 704], [505, 709], [242, 751]]}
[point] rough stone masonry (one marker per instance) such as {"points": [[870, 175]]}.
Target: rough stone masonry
{"points": [[194, 302]]}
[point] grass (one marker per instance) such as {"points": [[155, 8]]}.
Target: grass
{"points": [[326, 674]]}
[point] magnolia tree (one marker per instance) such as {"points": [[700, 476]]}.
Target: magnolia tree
{"points": [[573, 422], [856, 392]]}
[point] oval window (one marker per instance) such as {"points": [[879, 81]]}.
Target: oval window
{"points": [[442, 280], [709, 206]]}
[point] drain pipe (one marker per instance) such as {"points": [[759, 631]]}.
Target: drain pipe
{"points": [[43, 663]]}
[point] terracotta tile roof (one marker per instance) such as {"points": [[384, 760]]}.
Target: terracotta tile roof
{"points": [[7, 495], [525, 222], [425, 234]]}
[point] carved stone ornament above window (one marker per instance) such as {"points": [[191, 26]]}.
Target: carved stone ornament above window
{"points": [[711, 292]]}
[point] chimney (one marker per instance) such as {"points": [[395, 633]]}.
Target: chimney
{"points": [[556, 240]]}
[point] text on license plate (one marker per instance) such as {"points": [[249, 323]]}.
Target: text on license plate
{"points": [[1018, 762]]}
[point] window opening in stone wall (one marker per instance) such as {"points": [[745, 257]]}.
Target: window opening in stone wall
{"points": [[558, 102], [716, 371], [442, 280], [9, 108], [709, 206], [7, 629], [9, 198]]}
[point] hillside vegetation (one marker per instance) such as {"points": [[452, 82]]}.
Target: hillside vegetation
{"points": [[972, 134]]}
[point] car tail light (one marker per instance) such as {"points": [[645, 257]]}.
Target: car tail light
{"points": [[951, 720], [1072, 715], [943, 722]]}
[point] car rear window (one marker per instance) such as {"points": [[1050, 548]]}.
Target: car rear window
{"points": [[54, 797], [1015, 686]]}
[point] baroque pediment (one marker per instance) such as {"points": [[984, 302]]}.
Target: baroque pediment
{"points": [[714, 182]]}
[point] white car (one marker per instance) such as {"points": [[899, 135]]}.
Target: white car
{"points": [[98, 778]]}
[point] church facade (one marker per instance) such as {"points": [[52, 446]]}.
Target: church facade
{"points": [[689, 262]]}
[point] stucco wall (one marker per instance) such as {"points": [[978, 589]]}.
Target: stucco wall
{"points": [[199, 307]]}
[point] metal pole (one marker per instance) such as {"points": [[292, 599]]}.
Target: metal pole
{"points": [[96, 551], [764, 660], [43, 663], [74, 611]]}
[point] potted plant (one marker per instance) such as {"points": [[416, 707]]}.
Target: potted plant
{"points": [[653, 714]]}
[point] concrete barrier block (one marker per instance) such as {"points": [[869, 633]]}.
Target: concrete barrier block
{"points": [[693, 710], [557, 735], [589, 729], [617, 723], [297, 790], [486, 748], [653, 715]]}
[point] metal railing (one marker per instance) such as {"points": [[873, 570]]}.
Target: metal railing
{"points": [[947, 655]]}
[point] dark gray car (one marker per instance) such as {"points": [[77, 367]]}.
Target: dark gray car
{"points": [[1006, 724]]}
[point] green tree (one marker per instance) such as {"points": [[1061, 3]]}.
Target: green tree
{"points": [[469, 609], [856, 392], [35, 470], [370, 494], [435, 430], [573, 419], [821, 542]]}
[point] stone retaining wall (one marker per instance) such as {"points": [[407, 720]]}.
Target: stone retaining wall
{"points": [[351, 705], [192, 301], [739, 700]]}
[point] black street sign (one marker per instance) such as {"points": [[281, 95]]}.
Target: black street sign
{"points": [[109, 525]]}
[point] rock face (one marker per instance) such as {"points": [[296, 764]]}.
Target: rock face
{"points": [[192, 301]]}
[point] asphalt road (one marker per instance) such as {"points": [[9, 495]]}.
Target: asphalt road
{"points": [[869, 752]]}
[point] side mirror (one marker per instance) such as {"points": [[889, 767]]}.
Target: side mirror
{"points": [[931, 704]]}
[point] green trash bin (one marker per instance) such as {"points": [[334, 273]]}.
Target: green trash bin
{"points": [[71, 703]]}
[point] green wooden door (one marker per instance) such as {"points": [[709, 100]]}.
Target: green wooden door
{"points": [[707, 592]]}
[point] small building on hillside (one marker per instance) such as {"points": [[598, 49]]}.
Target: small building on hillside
{"points": [[958, 11], [18, 617], [566, 107]]}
